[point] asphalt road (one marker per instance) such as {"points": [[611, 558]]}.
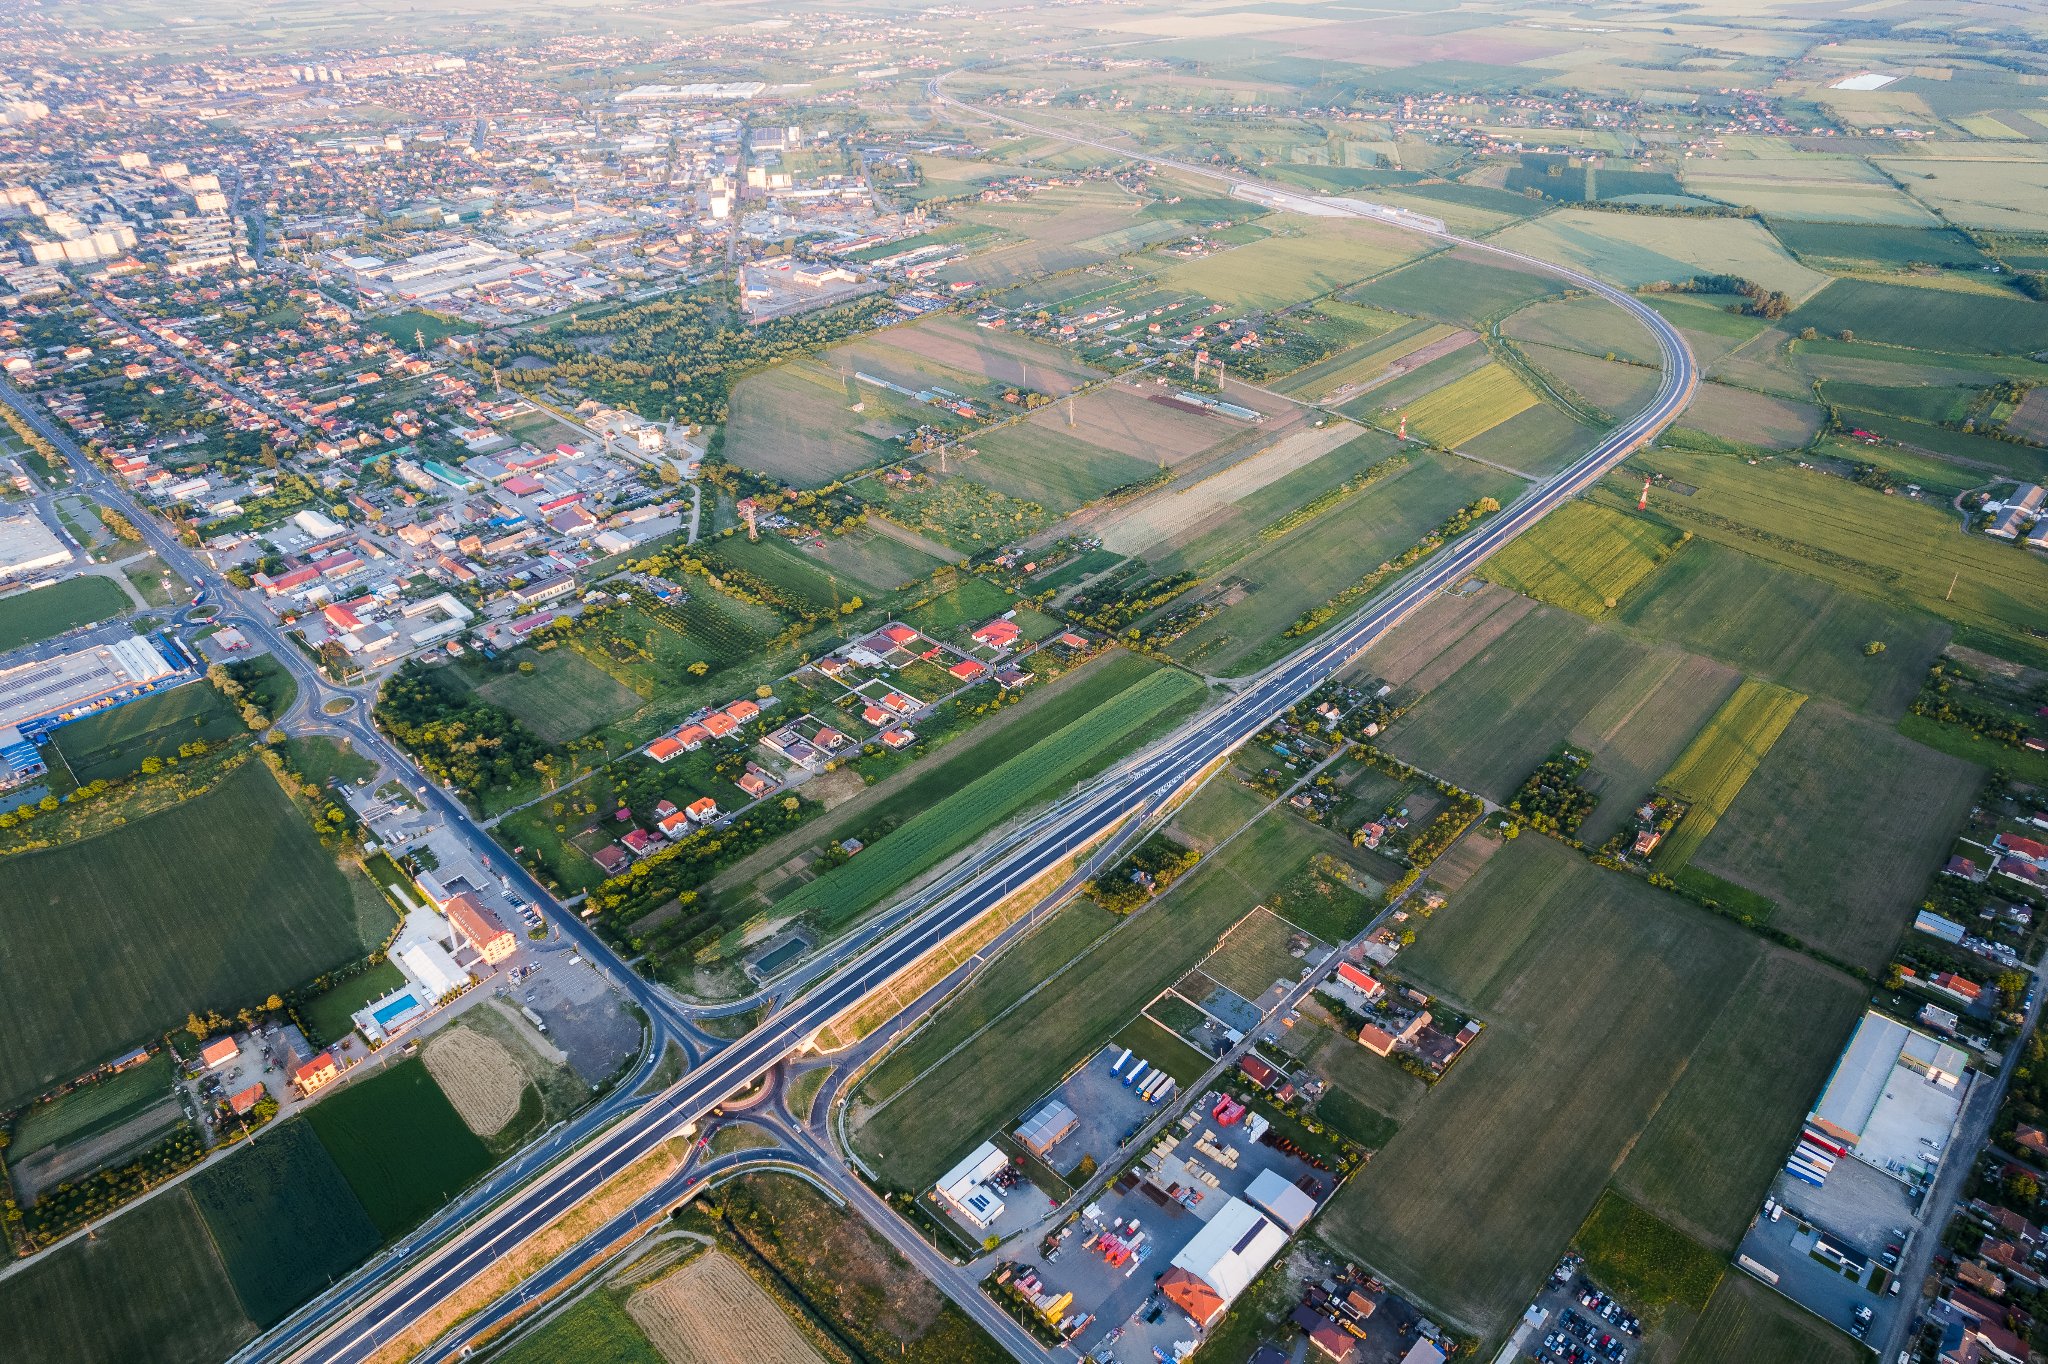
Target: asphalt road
{"points": [[346, 1326]]}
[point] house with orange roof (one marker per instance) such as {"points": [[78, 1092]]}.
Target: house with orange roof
{"points": [[703, 809], [246, 1100], [692, 737], [219, 1053], [718, 724], [742, 711], [480, 928], [315, 1073], [665, 749]]}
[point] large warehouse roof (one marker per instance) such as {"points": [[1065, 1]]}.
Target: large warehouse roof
{"points": [[76, 681], [1228, 1253], [27, 544]]}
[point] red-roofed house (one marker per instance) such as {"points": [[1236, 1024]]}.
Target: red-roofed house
{"points": [[899, 703], [897, 738], [1257, 1071], [999, 634], [703, 809], [969, 670], [1360, 981], [480, 928], [247, 1099], [2028, 849], [742, 711], [218, 1054], [718, 724], [874, 715], [674, 824], [315, 1073], [900, 635], [1948, 982], [640, 842], [692, 737], [611, 857], [756, 784], [665, 749]]}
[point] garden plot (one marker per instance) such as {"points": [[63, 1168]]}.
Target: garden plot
{"points": [[711, 1311]]}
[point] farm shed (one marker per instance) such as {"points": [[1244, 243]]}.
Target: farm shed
{"points": [[1281, 1200], [1047, 1127]]}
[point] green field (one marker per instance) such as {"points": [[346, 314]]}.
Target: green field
{"points": [[1723, 1130], [1894, 548], [1525, 1131], [1043, 770], [1324, 254], [1303, 570], [1938, 319], [212, 904], [113, 743], [880, 563], [1455, 288], [1643, 1260], [1551, 679], [1842, 824], [563, 698], [1037, 462], [930, 1122], [1785, 625], [1474, 405], [283, 1218], [1633, 249], [88, 599], [595, 1330], [1582, 557], [408, 328], [148, 1286], [322, 760], [400, 1145], [1832, 245], [95, 1108], [1718, 762]]}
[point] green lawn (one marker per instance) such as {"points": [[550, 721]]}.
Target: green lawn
{"points": [[327, 1016], [400, 1145], [321, 760], [209, 905], [86, 600], [148, 1286], [1643, 1260], [596, 1330], [1601, 994]]}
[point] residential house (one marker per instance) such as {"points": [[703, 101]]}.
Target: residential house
{"points": [[244, 1101], [640, 842], [703, 809], [611, 857], [315, 1073], [999, 634], [219, 1053]]}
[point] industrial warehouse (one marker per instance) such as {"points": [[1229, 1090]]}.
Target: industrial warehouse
{"points": [[27, 545], [37, 697]]}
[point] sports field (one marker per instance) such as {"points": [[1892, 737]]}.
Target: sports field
{"points": [[1841, 824], [1472, 406], [1600, 994], [1719, 761], [26, 617], [952, 1085], [284, 1219], [207, 905], [1582, 557], [400, 1145], [149, 1285]]}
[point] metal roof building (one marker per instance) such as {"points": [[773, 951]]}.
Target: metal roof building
{"points": [[37, 697], [1047, 1127], [1222, 1260]]}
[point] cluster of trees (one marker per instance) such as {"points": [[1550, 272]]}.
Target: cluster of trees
{"points": [[672, 358], [468, 743], [1552, 800], [1943, 697], [233, 681], [1112, 603], [69, 1206], [1151, 867]]}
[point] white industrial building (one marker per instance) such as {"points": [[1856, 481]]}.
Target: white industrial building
{"points": [[1222, 1260], [27, 545], [1892, 1100], [964, 1188], [1286, 1203], [37, 697]]}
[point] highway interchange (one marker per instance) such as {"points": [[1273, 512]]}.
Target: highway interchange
{"points": [[349, 1324]]}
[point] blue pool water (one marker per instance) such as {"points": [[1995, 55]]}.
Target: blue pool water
{"points": [[397, 1008]]}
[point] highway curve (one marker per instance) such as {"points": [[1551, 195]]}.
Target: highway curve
{"points": [[349, 1326]]}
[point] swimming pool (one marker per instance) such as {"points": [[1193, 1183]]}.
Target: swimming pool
{"points": [[395, 1009]]}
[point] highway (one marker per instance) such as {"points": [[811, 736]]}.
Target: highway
{"points": [[348, 1325]]}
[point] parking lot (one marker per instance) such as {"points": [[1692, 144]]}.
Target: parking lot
{"points": [[1789, 1253], [1574, 1322]]}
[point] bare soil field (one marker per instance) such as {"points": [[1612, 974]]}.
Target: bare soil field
{"points": [[1752, 418], [2031, 419], [479, 1077], [1120, 418], [710, 1312], [1177, 513], [999, 357], [1438, 639]]}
